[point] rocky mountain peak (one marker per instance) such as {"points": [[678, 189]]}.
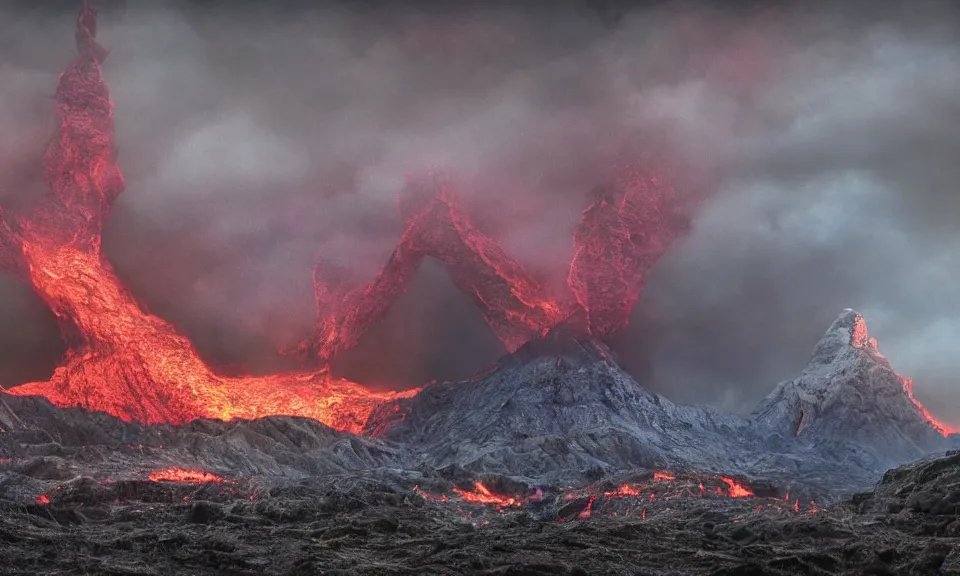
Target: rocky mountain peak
{"points": [[849, 391]]}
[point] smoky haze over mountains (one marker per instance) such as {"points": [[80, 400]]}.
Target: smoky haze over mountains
{"points": [[251, 140]]}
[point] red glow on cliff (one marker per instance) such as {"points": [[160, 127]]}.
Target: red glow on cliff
{"points": [[860, 338], [938, 425]]}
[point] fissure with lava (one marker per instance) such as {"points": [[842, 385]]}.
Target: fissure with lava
{"points": [[136, 366]]}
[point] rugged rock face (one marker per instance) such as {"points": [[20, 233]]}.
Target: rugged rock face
{"points": [[561, 409], [557, 407], [50, 445], [850, 393]]}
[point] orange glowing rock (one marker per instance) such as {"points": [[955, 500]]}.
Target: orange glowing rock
{"points": [[622, 491], [482, 495], [736, 489], [938, 425], [860, 338], [184, 476]]}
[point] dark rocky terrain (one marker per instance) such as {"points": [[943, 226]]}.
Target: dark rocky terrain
{"points": [[565, 442], [908, 526]]}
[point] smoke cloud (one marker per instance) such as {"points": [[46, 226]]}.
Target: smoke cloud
{"points": [[252, 138]]}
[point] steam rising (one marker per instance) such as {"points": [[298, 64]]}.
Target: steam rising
{"points": [[251, 139]]}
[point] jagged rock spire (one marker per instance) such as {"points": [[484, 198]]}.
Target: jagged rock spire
{"points": [[849, 391]]}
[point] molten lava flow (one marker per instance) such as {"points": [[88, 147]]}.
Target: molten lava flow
{"points": [[184, 476], [860, 338], [623, 491], [736, 489], [482, 495], [937, 425], [513, 303], [121, 360], [654, 494], [619, 238], [136, 366]]}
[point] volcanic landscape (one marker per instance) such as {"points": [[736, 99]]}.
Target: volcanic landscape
{"points": [[136, 457]]}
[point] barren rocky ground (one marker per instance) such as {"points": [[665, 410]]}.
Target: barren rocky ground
{"points": [[908, 525]]}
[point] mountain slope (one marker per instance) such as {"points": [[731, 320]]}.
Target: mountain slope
{"points": [[849, 392], [560, 408]]}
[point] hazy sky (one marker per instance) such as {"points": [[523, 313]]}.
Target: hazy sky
{"points": [[250, 140]]}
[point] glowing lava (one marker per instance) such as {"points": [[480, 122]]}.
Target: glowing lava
{"points": [[513, 303], [860, 338], [122, 360], [184, 476], [482, 495], [136, 366], [620, 236], [938, 425], [736, 489], [659, 489]]}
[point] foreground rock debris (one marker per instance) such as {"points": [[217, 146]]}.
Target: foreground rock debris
{"points": [[908, 525]]}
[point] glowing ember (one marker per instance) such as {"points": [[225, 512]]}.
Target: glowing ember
{"points": [[860, 338], [42, 499], [622, 491], [184, 476], [482, 495], [681, 488], [591, 501], [428, 496], [586, 512], [736, 490]]}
